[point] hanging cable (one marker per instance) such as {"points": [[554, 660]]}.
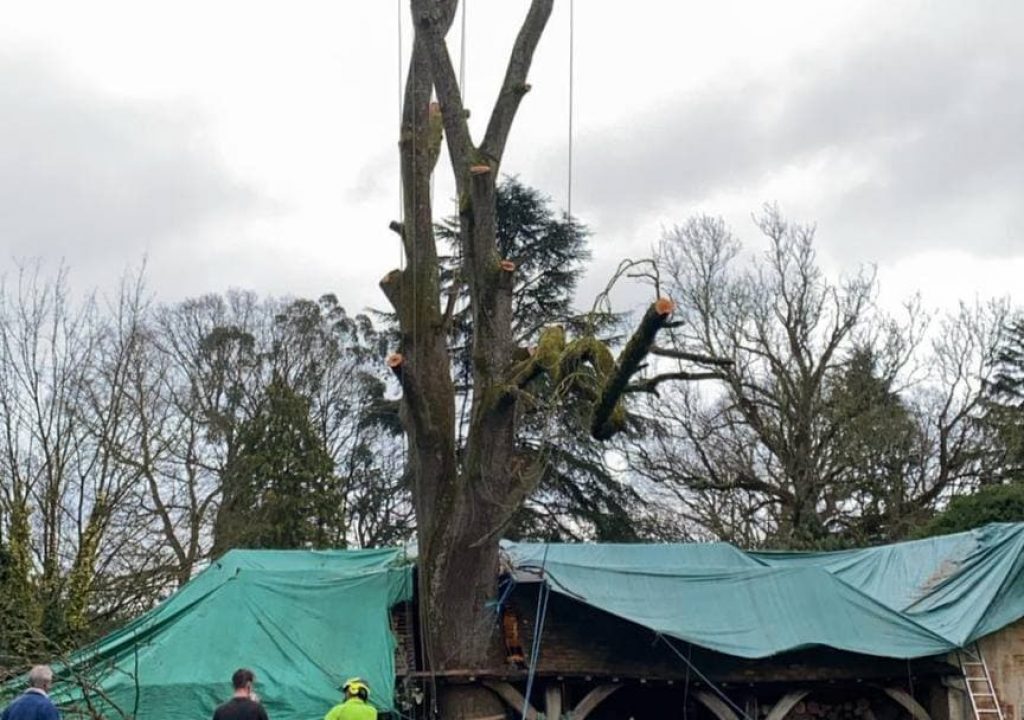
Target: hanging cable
{"points": [[707, 681], [538, 629], [401, 195], [572, 63]]}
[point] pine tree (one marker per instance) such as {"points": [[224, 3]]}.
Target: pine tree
{"points": [[577, 496], [279, 490], [1004, 410]]}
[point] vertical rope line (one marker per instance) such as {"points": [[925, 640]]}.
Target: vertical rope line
{"points": [[572, 63], [401, 198], [401, 194], [456, 250]]}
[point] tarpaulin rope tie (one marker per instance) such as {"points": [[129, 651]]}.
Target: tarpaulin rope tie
{"points": [[718, 691]]}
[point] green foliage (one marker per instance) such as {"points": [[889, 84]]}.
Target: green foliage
{"points": [[279, 491], [876, 446], [20, 618], [1004, 406], [578, 496], [990, 504]]}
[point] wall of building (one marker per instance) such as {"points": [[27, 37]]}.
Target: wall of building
{"points": [[1004, 653]]}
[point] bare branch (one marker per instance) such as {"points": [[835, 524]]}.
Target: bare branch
{"points": [[434, 23], [691, 357], [650, 385], [514, 86]]}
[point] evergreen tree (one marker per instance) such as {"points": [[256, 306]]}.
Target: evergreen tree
{"points": [[990, 504], [876, 451], [577, 496], [1004, 407], [279, 489]]}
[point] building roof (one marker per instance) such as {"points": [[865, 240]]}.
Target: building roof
{"points": [[304, 620], [905, 600]]}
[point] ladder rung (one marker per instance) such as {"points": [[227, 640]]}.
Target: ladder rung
{"points": [[986, 710]]}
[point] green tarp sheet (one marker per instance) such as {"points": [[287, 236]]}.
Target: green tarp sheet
{"points": [[303, 621], [906, 600]]}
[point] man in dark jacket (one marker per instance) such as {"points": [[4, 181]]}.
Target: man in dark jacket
{"points": [[34, 703], [244, 705]]}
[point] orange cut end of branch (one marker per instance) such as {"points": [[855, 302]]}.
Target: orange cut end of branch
{"points": [[395, 360], [664, 306], [479, 169], [507, 265]]}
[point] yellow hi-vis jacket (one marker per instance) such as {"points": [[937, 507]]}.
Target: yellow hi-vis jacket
{"points": [[352, 709]]}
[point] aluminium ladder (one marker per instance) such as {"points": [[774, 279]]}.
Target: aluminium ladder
{"points": [[980, 689]]}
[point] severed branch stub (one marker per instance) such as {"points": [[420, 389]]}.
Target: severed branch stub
{"points": [[395, 362], [609, 415]]}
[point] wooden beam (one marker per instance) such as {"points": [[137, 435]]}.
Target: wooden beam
{"points": [[784, 705], [716, 706], [907, 701], [512, 697], [591, 700]]}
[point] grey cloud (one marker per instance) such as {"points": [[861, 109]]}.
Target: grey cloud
{"points": [[933, 105], [97, 180]]}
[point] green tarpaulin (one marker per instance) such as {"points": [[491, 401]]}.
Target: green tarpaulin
{"points": [[906, 600], [302, 621]]}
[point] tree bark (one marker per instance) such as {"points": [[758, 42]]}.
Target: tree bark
{"points": [[461, 508], [465, 500]]}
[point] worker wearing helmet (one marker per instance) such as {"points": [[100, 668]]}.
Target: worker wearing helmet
{"points": [[356, 705]]}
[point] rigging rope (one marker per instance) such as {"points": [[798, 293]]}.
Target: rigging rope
{"points": [[538, 628], [572, 63], [691, 666], [401, 196]]}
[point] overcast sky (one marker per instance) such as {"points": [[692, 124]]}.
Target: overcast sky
{"points": [[253, 144]]}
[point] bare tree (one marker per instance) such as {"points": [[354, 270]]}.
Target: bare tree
{"points": [[835, 422]]}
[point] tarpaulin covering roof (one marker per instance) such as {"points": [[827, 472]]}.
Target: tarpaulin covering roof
{"points": [[303, 621], [906, 600]]}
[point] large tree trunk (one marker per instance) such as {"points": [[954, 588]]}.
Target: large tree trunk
{"points": [[461, 508], [464, 503]]}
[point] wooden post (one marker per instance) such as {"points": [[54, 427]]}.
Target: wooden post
{"points": [[553, 701], [907, 701], [786, 703], [591, 700], [512, 697], [716, 706]]}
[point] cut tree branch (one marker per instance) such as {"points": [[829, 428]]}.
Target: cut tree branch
{"points": [[609, 415], [514, 86]]}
